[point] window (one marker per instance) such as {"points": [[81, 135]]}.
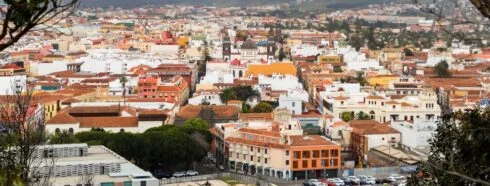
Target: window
{"points": [[258, 149], [324, 153], [251, 158], [313, 163], [383, 139], [305, 163], [265, 160], [258, 159], [316, 154], [231, 155], [251, 148], [394, 106], [295, 164], [265, 151], [334, 153], [306, 154], [297, 155], [287, 153], [293, 104], [324, 163], [287, 162]]}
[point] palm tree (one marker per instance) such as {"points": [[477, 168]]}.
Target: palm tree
{"points": [[63, 137], [227, 95]]}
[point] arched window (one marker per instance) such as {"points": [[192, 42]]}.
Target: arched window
{"points": [[57, 130], [70, 130], [122, 130], [240, 73]]}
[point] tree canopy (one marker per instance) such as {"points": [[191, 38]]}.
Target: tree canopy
{"points": [[459, 153], [160, 148], [262, 107], [442, 69], [242, 93]]}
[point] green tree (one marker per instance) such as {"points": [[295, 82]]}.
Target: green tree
{"points": [[459, 153], [262, 107], [347, 116], [362, 116], [442, 69], [197, 123], [64, 137], [282, 54], [337, 69], [245, 107], [360, 78], [227, 95]]}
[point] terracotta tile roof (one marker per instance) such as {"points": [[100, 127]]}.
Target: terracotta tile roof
{"points": [[371, 127], [309, 114], [220, 111], [70, 100], [62, 118], [260, 132], [246, 117], [95, 109], [375, 97], [341, 98], [309, 140], [391, 102], [256, 143], [89, 122], [234, 102]]}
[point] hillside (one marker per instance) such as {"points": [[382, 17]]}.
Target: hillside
{"points": [[307, 5]]}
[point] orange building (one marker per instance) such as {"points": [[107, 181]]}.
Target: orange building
{"points": [[273, 153]]}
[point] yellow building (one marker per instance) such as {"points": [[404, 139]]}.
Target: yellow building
{"points": [[330, 59], [382, 80], [51, 103], [270, 69], [392, 54]]}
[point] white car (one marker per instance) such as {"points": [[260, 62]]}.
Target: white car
{"points": [[354, 179], [398, 177], [336, 181], [179, 174], [370, 181], [191, 173], [392, 178]]}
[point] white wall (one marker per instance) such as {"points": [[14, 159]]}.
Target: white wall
{"points": [[213, 99], [8, 84], [293, 104], [376, 140]]}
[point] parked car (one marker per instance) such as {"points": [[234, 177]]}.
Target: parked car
{"points": [[367, 181], [336, 181], [346, 181], [312, 182], [354, 179], [179, 174], [191, 173], [398, 177], [389, 180], [162, 175]]}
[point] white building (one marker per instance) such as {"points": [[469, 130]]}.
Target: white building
{"points": [[72, 161], [416, 135], [384, 109], [206, 96], [292, 103], [114, 118]]}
